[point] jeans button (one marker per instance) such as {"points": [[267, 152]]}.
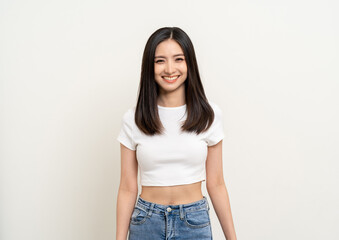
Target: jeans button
{"points": [[169, 209]]}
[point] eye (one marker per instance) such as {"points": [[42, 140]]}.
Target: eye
{"points": [[159, 61], [180, 59]]}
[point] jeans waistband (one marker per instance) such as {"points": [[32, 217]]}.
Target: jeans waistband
{"points": [[179, 209]]}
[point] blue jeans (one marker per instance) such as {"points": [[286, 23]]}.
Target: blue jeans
{"points": [[151, 221]]}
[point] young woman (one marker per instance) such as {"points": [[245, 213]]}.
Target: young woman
{"points": [[174, 134]]}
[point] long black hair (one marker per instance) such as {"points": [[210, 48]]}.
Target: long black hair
{"points": [[200, 114]]}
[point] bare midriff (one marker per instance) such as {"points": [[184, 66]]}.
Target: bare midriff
{"points": [[172, 195]]}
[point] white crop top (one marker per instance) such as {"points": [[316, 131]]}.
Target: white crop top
{"points": [[176, 157]]}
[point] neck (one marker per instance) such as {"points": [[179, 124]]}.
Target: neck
{"points": [[174, 99]]}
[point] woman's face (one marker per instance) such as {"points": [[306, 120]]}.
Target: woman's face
{"points": [[170, 68]]}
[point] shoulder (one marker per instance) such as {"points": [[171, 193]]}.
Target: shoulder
{"points": [[217, 110], [128, 115]]}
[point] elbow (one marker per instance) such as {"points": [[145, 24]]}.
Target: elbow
{"points": [[212, 185], [133, 190], [129, 186]]}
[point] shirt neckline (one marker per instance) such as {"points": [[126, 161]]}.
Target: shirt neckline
{"points": [[170, 108]]}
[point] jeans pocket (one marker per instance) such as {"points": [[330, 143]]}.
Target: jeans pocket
{"points": [[139, 216], [197, 219]]}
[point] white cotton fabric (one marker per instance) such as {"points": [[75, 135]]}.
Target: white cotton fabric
{"points": [[176, 157]]}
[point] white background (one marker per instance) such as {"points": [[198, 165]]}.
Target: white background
{"points": [[70, 69]]}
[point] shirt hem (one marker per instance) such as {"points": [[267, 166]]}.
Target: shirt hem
{"points": [[144, 183]]}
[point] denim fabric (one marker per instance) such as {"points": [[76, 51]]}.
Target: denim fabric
{"points": [[151, 221]]}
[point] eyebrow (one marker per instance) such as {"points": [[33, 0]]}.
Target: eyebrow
{"points": [[173, 56]]}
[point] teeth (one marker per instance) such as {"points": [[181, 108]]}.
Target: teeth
{"points": [[172, 78]]}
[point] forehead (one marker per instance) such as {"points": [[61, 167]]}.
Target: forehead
{"points": [[168, 47]]}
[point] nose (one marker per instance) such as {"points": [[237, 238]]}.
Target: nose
{"points": [[169, 69]]}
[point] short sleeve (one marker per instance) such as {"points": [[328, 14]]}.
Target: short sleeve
{"points": [[126, 131], [216, 132]]}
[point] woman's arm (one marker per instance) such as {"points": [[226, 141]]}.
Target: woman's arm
{"points": [[217, 190], [128, 191]]}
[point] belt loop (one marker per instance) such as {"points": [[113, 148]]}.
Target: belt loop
{"points": [[208, 205], [150, 210], [181, 212]]}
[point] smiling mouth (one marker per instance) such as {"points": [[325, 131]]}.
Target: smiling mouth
{"points": [[171, 78]]}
